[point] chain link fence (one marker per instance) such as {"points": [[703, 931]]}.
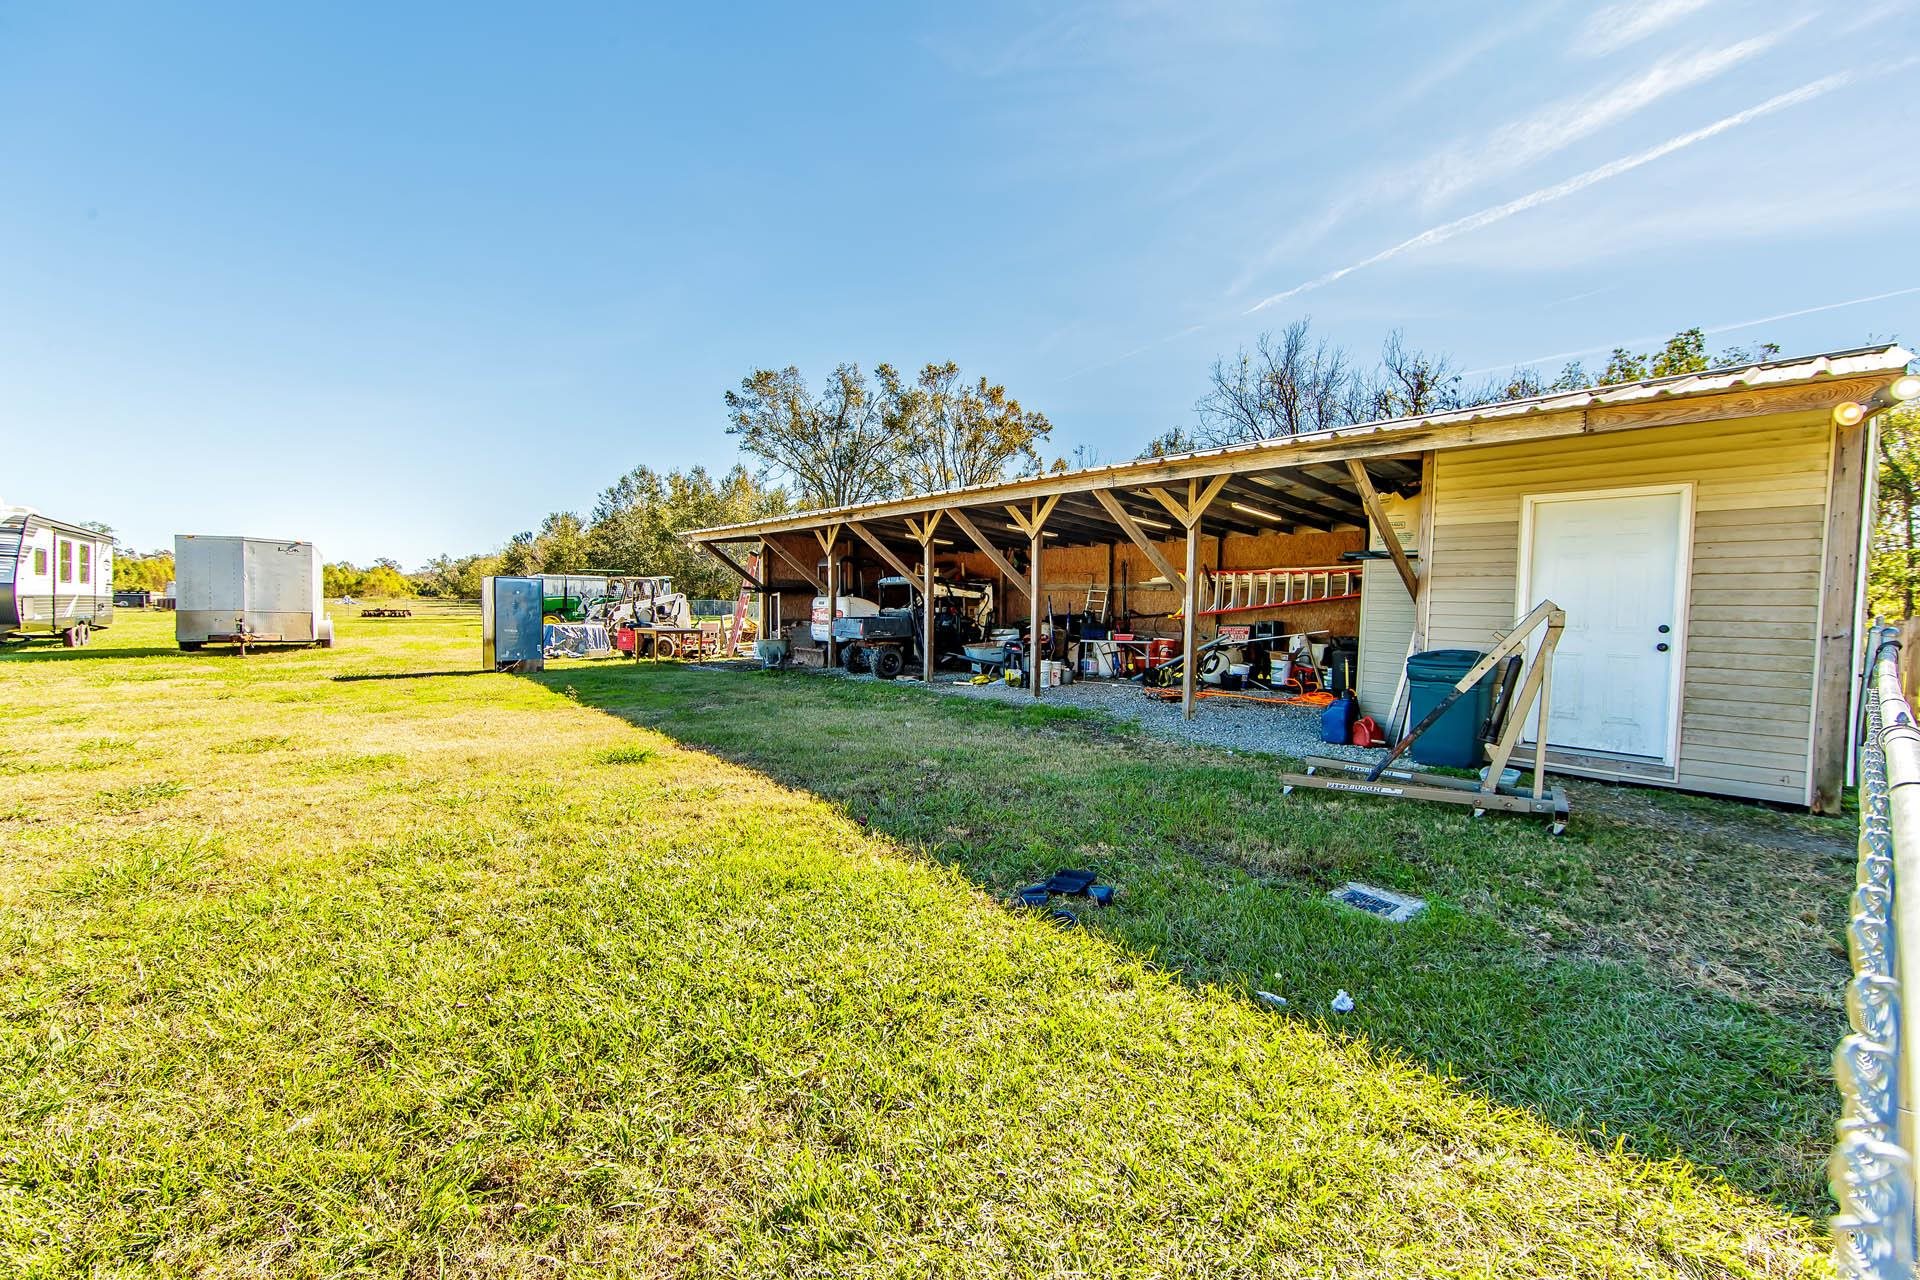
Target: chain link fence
{"points": [[1871, 1169]]}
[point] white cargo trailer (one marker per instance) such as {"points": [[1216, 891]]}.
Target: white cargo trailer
{"points": [[248, 591]]}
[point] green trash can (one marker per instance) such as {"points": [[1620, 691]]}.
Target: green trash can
{"points": [[1454, 740]]}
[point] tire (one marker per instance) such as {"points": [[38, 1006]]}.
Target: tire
{"points": [[850, 659], [192, 646], [665, 647], [887, 662]]}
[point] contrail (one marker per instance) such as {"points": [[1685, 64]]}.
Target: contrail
{"points": [[1579, 182], [1719, 328]]}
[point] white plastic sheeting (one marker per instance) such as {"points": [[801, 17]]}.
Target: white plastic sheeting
{"points": [[575, 640]]}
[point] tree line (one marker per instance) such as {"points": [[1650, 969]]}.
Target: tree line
{"points": [[1293, 382], [862, 437]]}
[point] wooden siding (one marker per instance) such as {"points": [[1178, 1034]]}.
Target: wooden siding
{"points": [[1759, 518]]}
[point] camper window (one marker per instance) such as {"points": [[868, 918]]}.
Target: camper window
{"points": [[40, 562], [66, 560], [86, 562]]}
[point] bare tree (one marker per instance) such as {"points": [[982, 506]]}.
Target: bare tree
{"points": [[1413, 382], [836, 448], [1289, 384]]}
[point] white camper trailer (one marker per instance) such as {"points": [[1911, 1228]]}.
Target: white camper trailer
{"points": [[56, 579], [248, 591]]}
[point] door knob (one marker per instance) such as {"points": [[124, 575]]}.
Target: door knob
{"points": [[1663, 646]]}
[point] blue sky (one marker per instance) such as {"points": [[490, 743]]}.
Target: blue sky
{"points": [[403, 279]]}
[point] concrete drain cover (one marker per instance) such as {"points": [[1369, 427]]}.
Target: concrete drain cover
{"points": [[1385, 903]]}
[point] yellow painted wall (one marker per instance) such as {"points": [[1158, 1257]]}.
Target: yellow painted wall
{"points": [[1753, 613]]}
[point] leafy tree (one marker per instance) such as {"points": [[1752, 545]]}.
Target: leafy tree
{"points": [[521, 556], [382, 581], [456, 578], [836, 448], [561, 545], [639, 518], [1684, 352], [1173, 440], [1893, 565], [952, 433], [135, 571]]}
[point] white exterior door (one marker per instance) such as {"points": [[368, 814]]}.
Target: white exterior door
{"points": [[1614, 563]]}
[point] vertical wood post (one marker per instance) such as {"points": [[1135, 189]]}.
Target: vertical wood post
{"points": [[926, 608], [1190, 622], [767, 624], [1032, 522], [833, 606], [1033, 615], [1839, 617]]}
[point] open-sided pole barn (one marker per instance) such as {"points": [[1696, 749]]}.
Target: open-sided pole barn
{"points": [[1703, 532]]}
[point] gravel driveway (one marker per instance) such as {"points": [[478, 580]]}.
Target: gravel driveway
{"points": [[1217, 722]]}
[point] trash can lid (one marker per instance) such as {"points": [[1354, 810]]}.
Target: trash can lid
{"points": [[1438, 661]]}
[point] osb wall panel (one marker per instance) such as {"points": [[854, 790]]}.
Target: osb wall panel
{"points": [[1067, 572]]}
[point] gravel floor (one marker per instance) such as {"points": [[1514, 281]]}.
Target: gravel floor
{"points": [[1218, 722]]}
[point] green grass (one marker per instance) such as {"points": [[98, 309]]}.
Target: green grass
{"points": [[309, 972]]}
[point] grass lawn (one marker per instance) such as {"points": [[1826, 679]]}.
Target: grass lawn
{"points": [[317, 963]]}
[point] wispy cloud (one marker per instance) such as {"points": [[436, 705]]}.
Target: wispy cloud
{"points": [[1619, 25], [1572, 186], [1131, 352], [1870, 16], [1470, 50], [1559, 125], [1736, 325], [1582, 296], [1463, 165]]}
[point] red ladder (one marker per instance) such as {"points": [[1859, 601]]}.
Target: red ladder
{"points": [[740, 605]]}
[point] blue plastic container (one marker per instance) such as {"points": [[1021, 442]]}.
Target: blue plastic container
{"points": [[1454, 741]]}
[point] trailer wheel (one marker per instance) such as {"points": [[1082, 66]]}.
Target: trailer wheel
{"points": [[887, 662], [850, 659], [192, 646]]}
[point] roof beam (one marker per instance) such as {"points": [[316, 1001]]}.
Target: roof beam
{"points": [[987, 549], [713, 549], [1139, 539], [1378, 515], [898, 565], [1306, 509], [1302, 476], [1035, 521], [806, 574]]}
